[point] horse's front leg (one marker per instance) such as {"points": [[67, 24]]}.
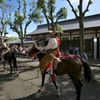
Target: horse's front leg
{"points": [[43, 79], [17, 72], [10, 67], [15, 67]]}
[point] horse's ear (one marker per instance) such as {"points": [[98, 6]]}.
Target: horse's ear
{"points": [[33, 45]]}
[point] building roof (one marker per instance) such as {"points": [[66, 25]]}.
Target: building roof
{"points": [[26, 40], [90, 22]]}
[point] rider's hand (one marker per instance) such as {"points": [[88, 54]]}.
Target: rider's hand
{"points": [[42, 48]]}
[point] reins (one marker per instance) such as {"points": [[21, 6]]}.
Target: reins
{"points": [[37, 53]]}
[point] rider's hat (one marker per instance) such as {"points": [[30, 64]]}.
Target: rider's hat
{"points": [[54, 31]]}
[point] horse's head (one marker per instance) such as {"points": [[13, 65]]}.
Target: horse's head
{"points": [[33, 50]]}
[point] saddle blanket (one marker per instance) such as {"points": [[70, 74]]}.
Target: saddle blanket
{"points": [[70, 56]]}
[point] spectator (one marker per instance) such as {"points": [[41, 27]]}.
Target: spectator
{"points": [[70, 50], [84, 55], [78, 55]]}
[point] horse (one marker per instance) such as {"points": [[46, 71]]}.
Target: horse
{"points": [[69, 66], [10, 57]]}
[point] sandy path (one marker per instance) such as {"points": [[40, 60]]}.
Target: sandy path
{"points": [[25, 86]]}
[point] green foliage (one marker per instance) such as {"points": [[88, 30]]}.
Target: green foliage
{"points": [[26, 13], [2, 1], [62, 13], [13, 38], [59, 28], [48, 8], [18, 18], [91, 2], [4, 9], [40, 4], [35, 14], [36, 17], [51, 5], [76, 10]]}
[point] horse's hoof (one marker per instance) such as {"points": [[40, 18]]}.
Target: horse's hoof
{"points": [[10, 73], [17, 73], [41, 90], [4, 70], [58, 94]]}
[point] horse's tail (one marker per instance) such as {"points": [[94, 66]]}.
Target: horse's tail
{"points": [[87, 70], [14, 60]]}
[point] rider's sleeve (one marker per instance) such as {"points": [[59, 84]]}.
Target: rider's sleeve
{"points": [[52, 44], [40, 48], [5, 45]]}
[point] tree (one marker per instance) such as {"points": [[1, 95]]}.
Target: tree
{"points": [[2, 1], [80, 17], [4, 9], [23, 17], [12, 38], [52, 17]]}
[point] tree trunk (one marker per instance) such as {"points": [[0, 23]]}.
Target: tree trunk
{"points": [[22, 41], [81, 26], [81, 32]]}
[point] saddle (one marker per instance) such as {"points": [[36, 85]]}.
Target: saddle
{"points": [[2, 48], [48, 57], [45, 61], [73, 57]]}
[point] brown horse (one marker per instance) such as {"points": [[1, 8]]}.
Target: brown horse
{"points": [[68, 66], [11, 59]]}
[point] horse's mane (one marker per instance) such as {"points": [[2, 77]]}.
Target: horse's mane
{"points": [[39, 53]]}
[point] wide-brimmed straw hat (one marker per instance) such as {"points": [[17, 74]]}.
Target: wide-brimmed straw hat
{"points": [[53, 31]]}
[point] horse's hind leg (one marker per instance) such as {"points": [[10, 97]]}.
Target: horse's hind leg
{"points": [[55, 84], [78, 85], [10, 67], [4, 65], [15, 67]]}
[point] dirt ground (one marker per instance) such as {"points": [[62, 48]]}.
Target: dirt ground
{"points": [[25, 86]]}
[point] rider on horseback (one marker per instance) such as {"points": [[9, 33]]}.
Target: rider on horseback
{"points": [[48, 62], [4, 48], [53, 50]]}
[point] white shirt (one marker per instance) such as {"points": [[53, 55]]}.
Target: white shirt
{"points": [[52, 44]]}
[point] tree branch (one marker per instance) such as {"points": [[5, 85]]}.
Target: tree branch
{"points": [[48, 23], [58, 18], [87, 8], [72, 8], [26, 27]]}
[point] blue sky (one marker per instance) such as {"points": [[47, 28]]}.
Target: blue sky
{"points": [[93, 9]]}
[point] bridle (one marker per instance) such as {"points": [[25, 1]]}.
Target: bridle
{"points": [[35, 43], [37, 53], [36, 48]]}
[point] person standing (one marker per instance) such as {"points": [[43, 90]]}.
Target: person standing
{"points": [[84, 55], [5, 45]]}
